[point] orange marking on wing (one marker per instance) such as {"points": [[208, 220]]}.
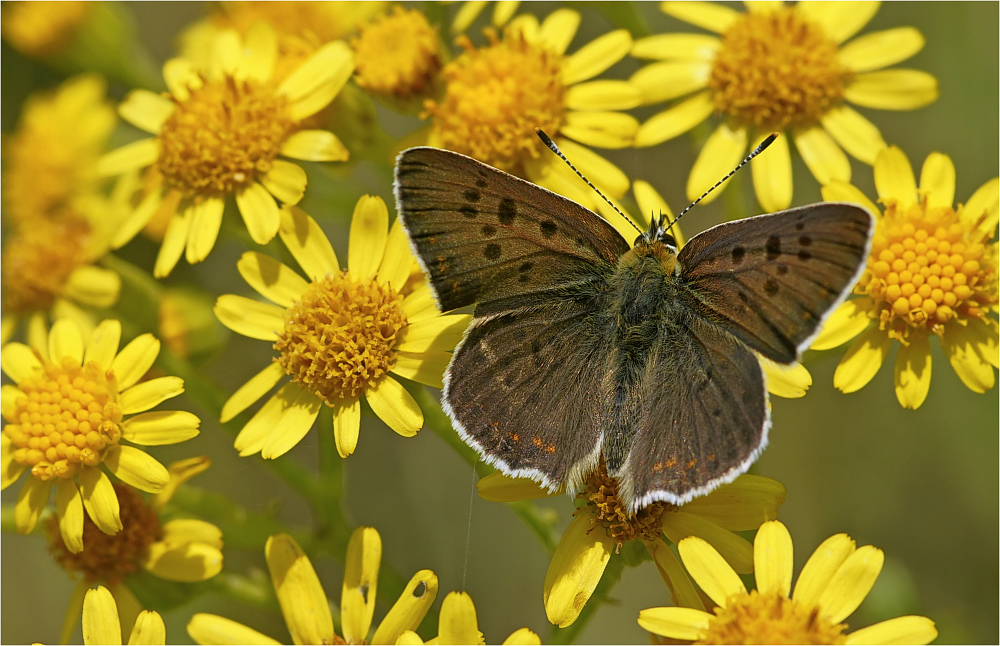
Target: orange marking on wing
{"points": [[691, 463], [671, 462]]}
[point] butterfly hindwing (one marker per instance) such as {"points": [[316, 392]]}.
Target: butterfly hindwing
{"points": [[771, 279], [481, 242]]}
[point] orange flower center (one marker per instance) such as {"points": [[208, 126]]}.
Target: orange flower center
{"points": [[39, 259], [398, 55], [496, 97], [108, 558], [926, 269], [338, 338], [223, 136], [601, 495], [756, 618], [65, 420], [775, 69]]}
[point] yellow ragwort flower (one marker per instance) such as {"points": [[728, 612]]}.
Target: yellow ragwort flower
{"points": [[932, 271], [305, 606], [780, 68], [602, 526], [67, 414], [833, 583], [495, 98], [458, 624], [101, 624], [49, 159], [338, 334], [218, 133], [399, 55], [42, 28]]}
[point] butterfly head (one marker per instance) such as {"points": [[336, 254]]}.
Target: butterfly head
{"points": [[658, 231]]}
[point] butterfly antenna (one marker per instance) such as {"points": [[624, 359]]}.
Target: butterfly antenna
{"points": [[756, 151], [554, 148]]}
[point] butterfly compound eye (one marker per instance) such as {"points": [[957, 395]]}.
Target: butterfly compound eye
{"points": [[668, 240]]}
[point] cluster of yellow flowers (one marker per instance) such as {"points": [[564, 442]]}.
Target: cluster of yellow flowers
{"points": [[244, 121]]}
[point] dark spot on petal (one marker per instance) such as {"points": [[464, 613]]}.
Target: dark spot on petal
{"points": [[738, 254], [804, 255], [481, 183], [472, 195], [548, 228], [782, 270], [420, 590], [363, 589], [469, 211], [773, 247], [491, 252], [805, 241], [489, 230], [771, 286], [507, 211]]}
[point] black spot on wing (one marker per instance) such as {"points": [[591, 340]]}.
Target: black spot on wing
{"points": [[468, 211], [738, 254], [492, 251], [771, 286], [507, 211], [472, 195], [773, 247], [548, 228]]}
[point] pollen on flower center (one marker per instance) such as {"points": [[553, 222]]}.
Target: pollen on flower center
{"points": [[495, 99], [109, 558], [601, 492], [223, 136], [38, 260], [925, 270], [770, 618], [397, 54], [338, 338], [775, 69], [67, 418]]}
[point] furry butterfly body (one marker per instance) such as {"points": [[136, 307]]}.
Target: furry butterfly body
{"points": [[583, 347]]}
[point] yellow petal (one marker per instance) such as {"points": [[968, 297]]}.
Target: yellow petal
{"points": [[741, 505], [272, 279], [791, 381], [724, 149], [10, 469], [855, 134], [706, 15], [671, 79], [395, 406], [286, 181], [498, 487], [249, 317], [65, 342], [466, 15], [135, 360], [93, 286], [146, 110], [862, 360], [206, 220], [369, 231], [260, 47], [425, 368], [227, 50], [148, 394], [397, 260], [772, 558], [103, 344], [183, 531], [133, 156], [894, 177], [675, 120], [408, 637], [296, 420], [895, 89], [137, 220], [332, 63], [300, 594], [523, 636], [826, 161], [180, 472], [148, 629], [69, 509], [503, 10], [100, 618], [181, 75], [19, 362], [8, 326], [851, 583], [843, 192], [439, 334], [410, 609], [575, 570], [174, 242], [260, 212], [357, 599], [880, 49], [983, 208], [845, 323], [652, 205], [314, 145], [307, 243], [31, 500], [709, 570], [736, 550], [937, 180], [687, 624], [213, 629], [559, 28], [316, 101], [911, 629], [687, 47], [457, 623], [136, 468], [682, 590], [818, 571], [603, 173], [913, 371], [270, 419], [772, 174], [602, 95], [596, 56], [961, 345], [161, 427], [347, 426], [188, 563], [601, 129], [839, 21], [100, 500], [419, 304]]}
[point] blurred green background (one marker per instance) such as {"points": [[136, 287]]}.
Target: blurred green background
{"points": [[921, 485]]}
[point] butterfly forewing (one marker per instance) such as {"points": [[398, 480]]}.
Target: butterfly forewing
{"points": [[488, 238], [771, 279]]}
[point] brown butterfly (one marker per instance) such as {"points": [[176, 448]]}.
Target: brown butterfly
{"points": [[582, 347]]}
